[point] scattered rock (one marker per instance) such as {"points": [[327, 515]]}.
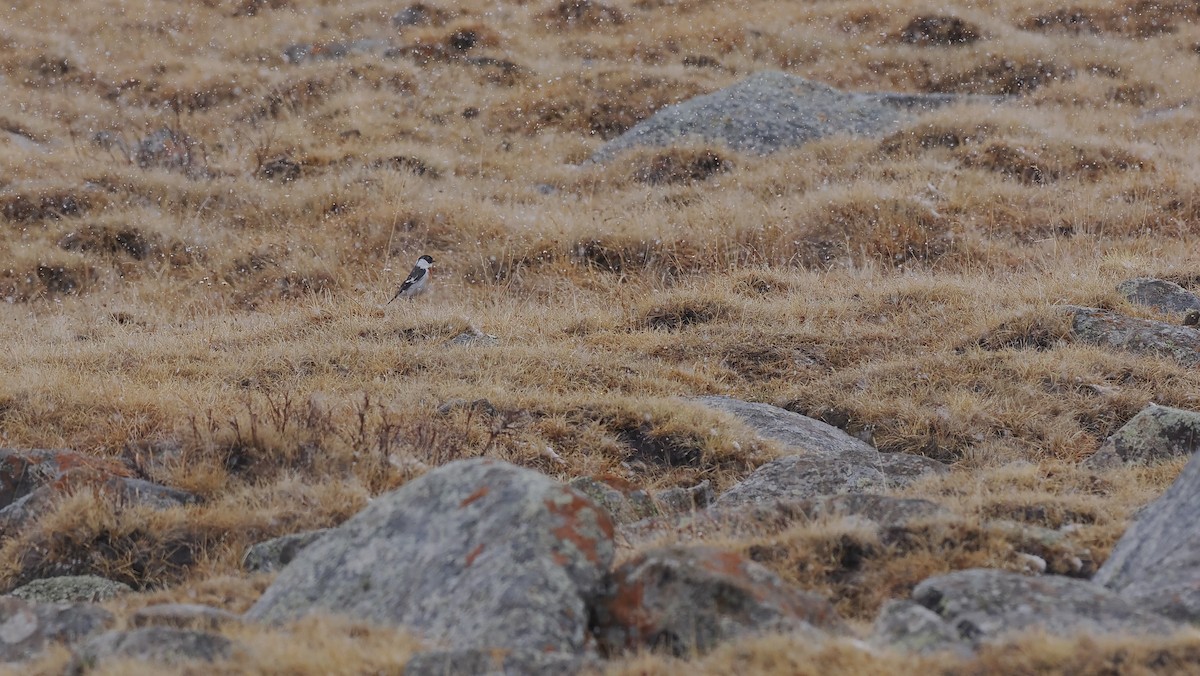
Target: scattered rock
{"points": [[686, 600], [833, 461], [274, 554], [184, 616], [477, 553], [30, 480], [474, 337], [71, 589], [496, 663], [984, 605], [1156, 563], [1156, 433], [770, 111], [1142, 336], [685, 500], [939, 30], [151, 644], [624, 502], [28, 628], [1166, 297], [913, 627]]}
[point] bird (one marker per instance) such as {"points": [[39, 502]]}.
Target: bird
{"points": [[417, 281]]}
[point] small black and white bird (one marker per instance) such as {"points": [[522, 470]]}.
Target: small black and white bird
{"points": [[418, 280]]}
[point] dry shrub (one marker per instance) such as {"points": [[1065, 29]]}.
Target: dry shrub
{"points": [[940, 31], [631, 253], [681, 166], [1038, 330], [581, 14], [1002, 75], [89, 534], [681, 310], [48, 279], [917, 140], [882, 229], [117, 240], [45, 205], [859, 568], [1047, 162], [1140, 19], [604, 104]]}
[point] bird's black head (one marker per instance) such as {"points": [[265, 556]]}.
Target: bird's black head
{"points": [[427, 258]]}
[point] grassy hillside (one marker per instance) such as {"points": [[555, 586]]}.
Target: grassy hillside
{"points": [[205, 206]]}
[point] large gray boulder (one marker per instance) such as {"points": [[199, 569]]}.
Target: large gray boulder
{"points": [[1142, 336], [770, 111], [830, 461], [983, 606], [475, 554], [1166, 297], [1156, 563], [1155, 434], [27, 628], [912, 627], [686, 600]]}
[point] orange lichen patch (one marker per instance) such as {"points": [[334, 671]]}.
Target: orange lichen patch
{"points": [[479, 493], [573, 531], [22, 472], [474, 554], [627, 609]]}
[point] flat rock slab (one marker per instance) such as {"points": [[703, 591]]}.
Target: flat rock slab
{"points": [[687, 600], [832, 461], [151, 644], [1142, 336], [985, 605], [27, 628], [1166, 297], [1155, 434], [1156, 563], [71, 589], [477, 554], [770, 111]]}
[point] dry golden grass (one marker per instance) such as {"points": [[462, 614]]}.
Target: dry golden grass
{"points": [[211, 306]]}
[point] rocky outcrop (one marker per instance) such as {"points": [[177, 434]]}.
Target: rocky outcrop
{"points": [[475, 554], [1155, 434], [627, 503], [71, 589], [1156, 563], [1167, 297], [274, 554], [1142, 336], [831, 461], [982, 606], [31, 479], [686, 600], [770, 111], [26, 629]]}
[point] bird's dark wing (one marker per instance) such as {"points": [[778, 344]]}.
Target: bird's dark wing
{"points": [[413, 277]]}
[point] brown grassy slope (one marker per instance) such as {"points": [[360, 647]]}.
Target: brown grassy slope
{"points": [[210, 306]]}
